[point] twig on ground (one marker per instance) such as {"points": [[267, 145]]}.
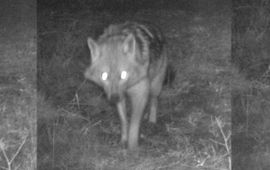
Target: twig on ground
{"points": [[10, 161]]}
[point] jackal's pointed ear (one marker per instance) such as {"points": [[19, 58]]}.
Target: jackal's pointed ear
{"points": [[129, 45], [94, 49]]}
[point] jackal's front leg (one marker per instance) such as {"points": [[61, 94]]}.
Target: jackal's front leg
{"points": [[121, 107], [138, 97]]}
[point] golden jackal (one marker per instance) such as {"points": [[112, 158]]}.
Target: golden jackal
{"points": [[129, 60]]}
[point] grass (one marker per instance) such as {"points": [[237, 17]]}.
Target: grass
{"points": [[251, 95], [18, 92]]}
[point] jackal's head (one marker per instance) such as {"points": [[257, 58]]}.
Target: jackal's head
{"points": [[116, 64]]}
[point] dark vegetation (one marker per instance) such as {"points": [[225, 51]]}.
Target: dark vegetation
{"points": [[17, 86], [250, 99]]}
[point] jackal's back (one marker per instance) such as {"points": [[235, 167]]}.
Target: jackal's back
{"points": [[149, 37]]}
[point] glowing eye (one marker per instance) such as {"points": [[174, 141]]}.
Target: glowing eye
{"points": [[123, 75], [104, 76]]}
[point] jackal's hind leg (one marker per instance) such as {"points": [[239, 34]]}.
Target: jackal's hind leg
{"points": [[156, 87], [153, 110]]}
